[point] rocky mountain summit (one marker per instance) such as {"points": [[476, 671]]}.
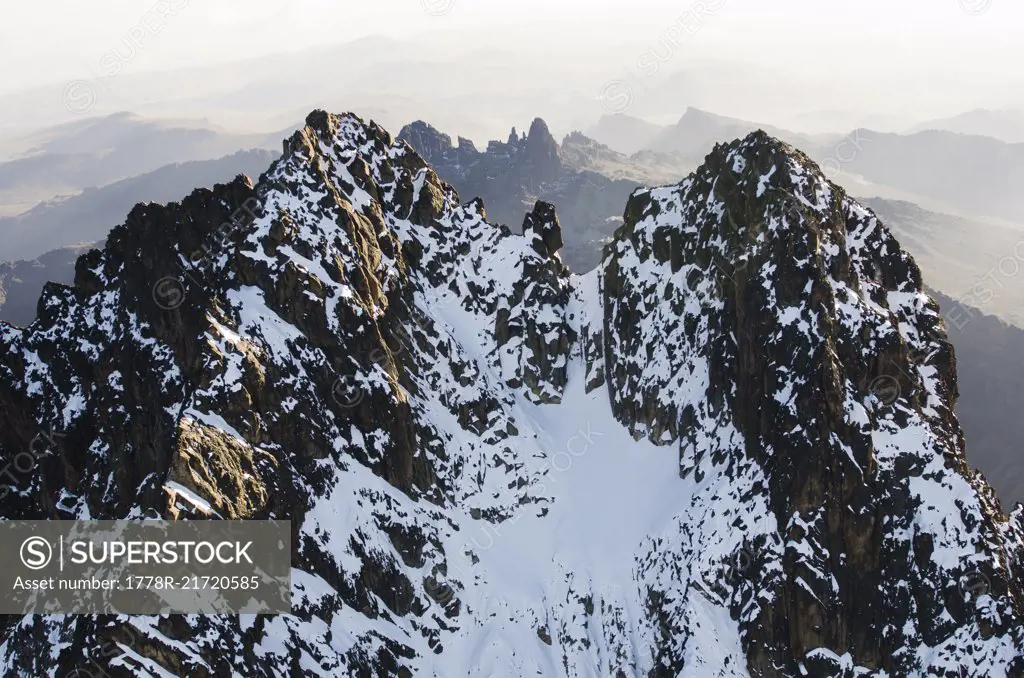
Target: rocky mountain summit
{"points": [[730, 450]]}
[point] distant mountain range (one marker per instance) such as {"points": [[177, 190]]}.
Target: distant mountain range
{"points": [[588, 181], [96, 152], [43, 244], [961, 257], [975, 175], [22, 282], [971, 174], [694, 135], [89, 215], [1006, 126], [624, 133]]}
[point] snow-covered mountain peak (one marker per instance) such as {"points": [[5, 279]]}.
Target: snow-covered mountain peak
{"points": [[774, 328], [730, 451]]}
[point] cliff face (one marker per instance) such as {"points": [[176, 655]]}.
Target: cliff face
{"points": [[729, 451], [774, 327]]}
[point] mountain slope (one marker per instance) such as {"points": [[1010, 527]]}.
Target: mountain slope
{"points": [[677, 465], [821, 377], [953, 257]]}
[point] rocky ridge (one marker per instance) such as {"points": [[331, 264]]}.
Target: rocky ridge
{"points": [[729, 451]]}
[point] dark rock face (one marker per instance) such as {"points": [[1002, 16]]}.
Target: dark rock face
{"points": [[432, 145], [796, 339], [345, 345], [542, 225], [541, 152], [544, 341]]}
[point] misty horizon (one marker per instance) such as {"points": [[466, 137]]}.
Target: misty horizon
{"points": [[729, 57]]}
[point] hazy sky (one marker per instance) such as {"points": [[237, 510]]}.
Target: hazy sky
{"points": [[49, 40], [476, 67]]}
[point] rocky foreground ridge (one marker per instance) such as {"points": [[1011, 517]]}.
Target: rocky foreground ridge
{"points": [[729, 451]]}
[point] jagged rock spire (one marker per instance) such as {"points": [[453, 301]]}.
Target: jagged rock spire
{"points": [[542, 225], [428, 141], [541, 152]]}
